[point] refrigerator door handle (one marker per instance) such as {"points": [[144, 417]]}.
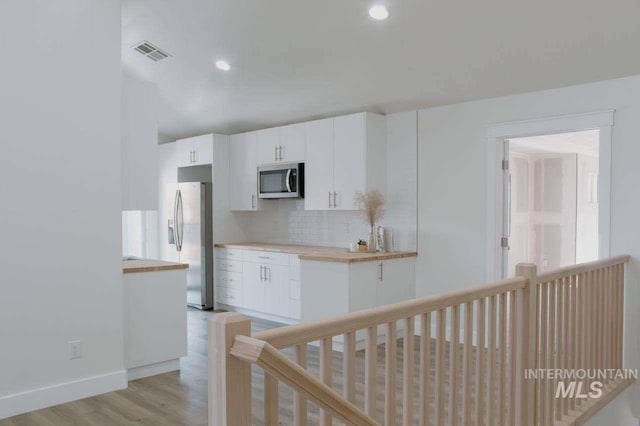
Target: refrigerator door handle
{"points": [[178, 224]]}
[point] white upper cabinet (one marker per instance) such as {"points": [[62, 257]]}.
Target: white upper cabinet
{"points": [[344, 155], [243, 161], [139, 145], [281, 144], [268, 145], [292, 143], [318, 168], [195, 151]]}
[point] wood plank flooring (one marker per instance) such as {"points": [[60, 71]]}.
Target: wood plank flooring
{"points": [[180, 398]]}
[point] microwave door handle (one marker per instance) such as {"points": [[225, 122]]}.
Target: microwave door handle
{"points": [[288, 180]]}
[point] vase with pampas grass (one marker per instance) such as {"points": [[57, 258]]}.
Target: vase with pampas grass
{"points": [[372, 206]]}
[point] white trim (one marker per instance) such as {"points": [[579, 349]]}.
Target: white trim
{"points": [[497, 133], [153, 369], [13, 405]]}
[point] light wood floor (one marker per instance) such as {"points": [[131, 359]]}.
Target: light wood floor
{"points": [[180, 398]]}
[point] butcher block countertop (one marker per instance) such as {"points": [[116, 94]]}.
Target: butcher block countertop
{"points": [[147, 265], [320, 253]]}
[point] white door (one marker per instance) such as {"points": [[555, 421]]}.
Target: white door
{"points": [[277, 290], [268, 141], [243, 172], [253, 286], [292, 143], [319, 165], [545, 208], [348, 159]]}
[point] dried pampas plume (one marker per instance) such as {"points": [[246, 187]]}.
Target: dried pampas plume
{"points": [[372, 205]]}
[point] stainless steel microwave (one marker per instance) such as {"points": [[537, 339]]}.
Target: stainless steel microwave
{"points": [[281, 181]]}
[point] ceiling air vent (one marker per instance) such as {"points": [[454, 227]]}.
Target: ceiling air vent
{"points": [[150, 51]]}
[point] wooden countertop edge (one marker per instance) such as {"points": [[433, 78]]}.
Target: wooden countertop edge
{"points": [[363, 258], [318, 253], [156, 268]]}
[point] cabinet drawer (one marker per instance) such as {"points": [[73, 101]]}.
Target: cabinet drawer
{"points": [[229, 279], [266, 257], [228, 265], [228, 253], [229, 296], [294, 289]]}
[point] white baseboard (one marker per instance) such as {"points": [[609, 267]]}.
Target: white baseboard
{"points": [[153, 369], [20, 403]]}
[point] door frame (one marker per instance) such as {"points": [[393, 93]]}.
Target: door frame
{"points": [[496, 136]]}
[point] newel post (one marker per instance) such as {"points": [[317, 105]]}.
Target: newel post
{"points": [[229, 377], [526, 393]]}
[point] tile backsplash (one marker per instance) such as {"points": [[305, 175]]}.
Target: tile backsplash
{"points": [[286, 221]]}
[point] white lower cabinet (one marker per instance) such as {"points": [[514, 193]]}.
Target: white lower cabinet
{"points": [[333, 288], [258, 281], [276, 290]]}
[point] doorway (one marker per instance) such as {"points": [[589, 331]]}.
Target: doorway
{"points": [[551, 200]]}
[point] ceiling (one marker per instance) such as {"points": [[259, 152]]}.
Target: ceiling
{"points": [[585, 142], [294, 60]]}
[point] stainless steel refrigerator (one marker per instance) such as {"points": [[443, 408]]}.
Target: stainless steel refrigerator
{"points": [[190, 232]]}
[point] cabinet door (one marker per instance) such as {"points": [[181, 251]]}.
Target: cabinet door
{"points": [[396, 280], [268, 141], [319, 165], [202, 147], [292, 143], [348, 159], [253, 287], [184, 152], [276, 298], [243, 182]]}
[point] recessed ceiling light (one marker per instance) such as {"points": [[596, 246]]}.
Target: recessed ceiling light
{"points": [[379, 12], [223, 65]]}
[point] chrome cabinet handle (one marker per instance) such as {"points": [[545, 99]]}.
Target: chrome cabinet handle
{"points": [[253, 201], [264, 257], [195, 158], [275, 153], [280, 153], [261, 273], [381, 274], [329, 199], [267, 273], [335, 197]]}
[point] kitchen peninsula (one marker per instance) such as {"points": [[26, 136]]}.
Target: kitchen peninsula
{"points": [[155, 316]]}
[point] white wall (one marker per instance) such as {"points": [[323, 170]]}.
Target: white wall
{"points": [[60, 266], [286, 221], [452, 189], [402, 178]]}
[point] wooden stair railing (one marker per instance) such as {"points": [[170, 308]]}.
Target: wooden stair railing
{"points": [[282, 368], [567, 318]]}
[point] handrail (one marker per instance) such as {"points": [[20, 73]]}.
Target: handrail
{"points": [[582, 268], [284, 337], [278, 365]]}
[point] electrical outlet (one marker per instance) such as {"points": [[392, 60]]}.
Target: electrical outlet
{"points": [[75, 349]]}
